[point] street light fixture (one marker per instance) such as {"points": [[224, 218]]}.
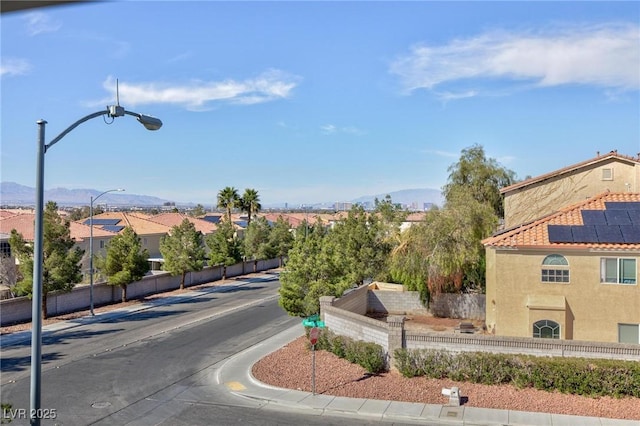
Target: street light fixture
{"points": [[113, 111], [91, 245]]}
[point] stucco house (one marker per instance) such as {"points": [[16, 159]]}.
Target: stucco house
{"points": [[572, 274], [536, 197]]}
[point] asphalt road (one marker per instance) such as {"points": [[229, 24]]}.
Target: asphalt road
{"points": [[155, 366]]}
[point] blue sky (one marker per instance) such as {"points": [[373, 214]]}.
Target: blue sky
{"points": [[314, 101]]}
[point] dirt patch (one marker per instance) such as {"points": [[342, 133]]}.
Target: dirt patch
{"points": [[430, 323]]}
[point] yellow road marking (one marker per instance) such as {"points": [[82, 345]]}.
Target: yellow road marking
{"points": [[235, 386]]}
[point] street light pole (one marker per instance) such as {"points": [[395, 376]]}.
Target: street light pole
{"points": [[150, 123], [91, 246]]}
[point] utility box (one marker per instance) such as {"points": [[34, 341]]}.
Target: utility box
{"points": [[453, 394]]}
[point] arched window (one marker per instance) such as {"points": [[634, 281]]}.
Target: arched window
{"points": [[555, 269], [546, 329]]}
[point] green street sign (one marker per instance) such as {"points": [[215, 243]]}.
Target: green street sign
{"points": [[313, 321]]}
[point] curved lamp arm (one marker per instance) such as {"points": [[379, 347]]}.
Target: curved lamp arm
{"points": [[149, 122]]}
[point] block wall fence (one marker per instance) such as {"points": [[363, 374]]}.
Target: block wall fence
{"points": [[346, 316], [19, 309]]}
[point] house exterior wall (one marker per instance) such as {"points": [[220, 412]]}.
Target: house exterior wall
{"points": [[586, 309], [538, 199], [98, 252], [151, 242]]}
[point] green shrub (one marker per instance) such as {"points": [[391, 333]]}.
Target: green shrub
{"points": [[368, 355], [588, 377], [371, 357], [408, 363]]}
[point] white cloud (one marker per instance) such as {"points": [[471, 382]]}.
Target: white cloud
{"points": [[450, 96], [38, 23], [269, 86], [14, 66], [606, 56], [329, 129]]}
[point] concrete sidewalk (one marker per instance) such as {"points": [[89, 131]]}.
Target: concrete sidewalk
{"points": [[236, 375]]}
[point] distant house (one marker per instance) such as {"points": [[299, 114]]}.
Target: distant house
{"points": [[24, 224], [571, 274], [536, 197], [149, 231]]}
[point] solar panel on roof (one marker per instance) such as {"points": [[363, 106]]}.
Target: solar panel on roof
{"points": [[212, 219], [101, 222], [622, 205], [631, 233], [609, 234], [593, 217], [560, 234], [113, 228], [617, 217], [634, 215], [584, 234]]}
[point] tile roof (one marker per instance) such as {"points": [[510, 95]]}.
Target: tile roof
{"points": [[25, 224], [80, 231], [536, 235], [613, 155], [140, 225], [175, 219]]}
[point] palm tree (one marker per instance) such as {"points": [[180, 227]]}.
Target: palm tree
{"points": [[228, 199], [250, 203]]}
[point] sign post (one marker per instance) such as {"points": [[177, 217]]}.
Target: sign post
{"points": [[313, 339]]}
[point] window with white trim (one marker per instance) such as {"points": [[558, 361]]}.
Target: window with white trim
{"points": [[607, 174], [546, 329], [629, 333], [618, 270], [101, 244], [555, 269]]}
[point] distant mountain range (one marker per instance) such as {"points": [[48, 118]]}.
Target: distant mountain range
{"points": [[14, 194]]}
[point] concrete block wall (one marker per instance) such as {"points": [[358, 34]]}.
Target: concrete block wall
{"points": [[19, 309], [520, 345], [354, 301], [395, 302], [13, 310], [392, 335], [464, 306], [356, 327]]}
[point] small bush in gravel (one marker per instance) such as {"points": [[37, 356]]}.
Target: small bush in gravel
{"points": [[579, 376], [366, 354]]}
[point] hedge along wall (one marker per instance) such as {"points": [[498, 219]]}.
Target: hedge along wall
{"points": [[19, 309]]}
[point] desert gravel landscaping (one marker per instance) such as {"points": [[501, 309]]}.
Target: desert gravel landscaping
{"points": [[290, 367]]}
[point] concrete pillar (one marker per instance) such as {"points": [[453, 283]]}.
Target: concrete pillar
{"points": [[396, 336], [325, 301]]}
